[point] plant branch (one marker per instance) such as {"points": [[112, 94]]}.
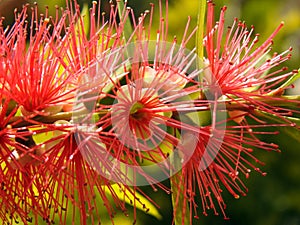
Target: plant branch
{"points": [[292, 101]]}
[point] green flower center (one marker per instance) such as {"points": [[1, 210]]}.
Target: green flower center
{"points": [[134, 110]]}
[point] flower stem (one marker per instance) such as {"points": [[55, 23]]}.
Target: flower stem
{"points": [[180, 208], [200, 33], [291, 101], [20, 121]]}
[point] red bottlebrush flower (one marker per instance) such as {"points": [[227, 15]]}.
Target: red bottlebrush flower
{"points": [[241, 70], [41, 77], [32, 73], [74, 181], [235, 73], [36, 177]]}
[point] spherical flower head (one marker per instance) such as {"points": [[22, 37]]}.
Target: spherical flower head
{"points": [[42, 75], [235, 72], [245, 69], [39, 154], [30, 72]]}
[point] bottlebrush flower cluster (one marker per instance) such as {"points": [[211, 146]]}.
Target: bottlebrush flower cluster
{"points": [[88, 113]]}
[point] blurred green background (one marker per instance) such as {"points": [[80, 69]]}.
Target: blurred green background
{"points": [[274, 199]]}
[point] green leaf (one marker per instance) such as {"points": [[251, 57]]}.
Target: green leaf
{"points": [[40, 136], [201, 118], [286, 84], [200, 28], [127, 32], [85, 17], [83, 23], [291, 80], [200, 34], [291, 131], [130, 196]]}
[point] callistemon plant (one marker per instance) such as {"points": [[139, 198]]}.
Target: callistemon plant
{"points": [[92, 109]]}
